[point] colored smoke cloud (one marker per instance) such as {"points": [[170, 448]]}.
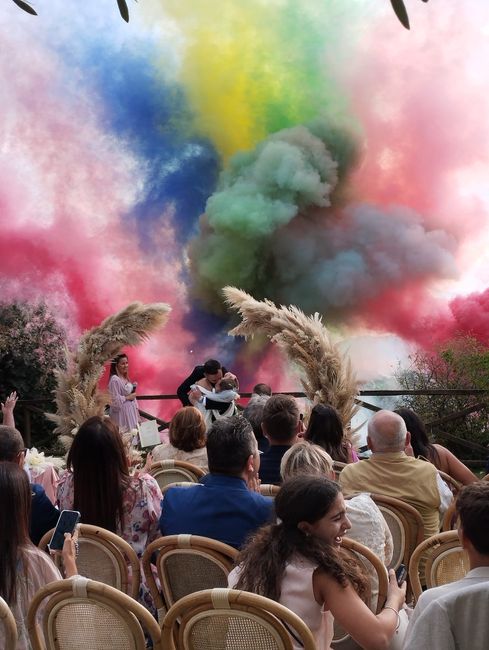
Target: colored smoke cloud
{"points": [[272, 230]]}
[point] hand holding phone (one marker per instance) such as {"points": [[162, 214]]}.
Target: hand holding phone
{"points": [[67, 522], [401, 574]]}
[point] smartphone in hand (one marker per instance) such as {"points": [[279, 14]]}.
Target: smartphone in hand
{"points": [[67, 522], [401, 574]]}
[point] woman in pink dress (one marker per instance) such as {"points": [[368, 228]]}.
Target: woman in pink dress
{"points": [[123, 404], [298, 562]]}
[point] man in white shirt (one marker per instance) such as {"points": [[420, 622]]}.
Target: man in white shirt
{"points": [[434, 606]]}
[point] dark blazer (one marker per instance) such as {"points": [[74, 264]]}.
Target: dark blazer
{"points": [[270, 464], [184, 388], [44, 515], [219, 507]]}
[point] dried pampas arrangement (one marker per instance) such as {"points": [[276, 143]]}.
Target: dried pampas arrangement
{"points": [[77, 395], [329, 378]]}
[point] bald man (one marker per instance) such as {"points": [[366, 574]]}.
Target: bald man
{"points": [[390, 471]]}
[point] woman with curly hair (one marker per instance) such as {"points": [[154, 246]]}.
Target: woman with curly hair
{"points": [[299, 563], [187, 439]]}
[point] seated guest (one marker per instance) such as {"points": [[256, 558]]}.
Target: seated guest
{"points": [[24, 569], [262, 389], [221, 506], [440, 456], [472, 508], [99, 485], [281, 424], [187, 439], [43, 515], [298, 562], [253, 412], [326, 430], [391, 472], [368, 525]]}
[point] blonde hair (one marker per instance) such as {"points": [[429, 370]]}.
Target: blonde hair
{"points": [[305, 458]]}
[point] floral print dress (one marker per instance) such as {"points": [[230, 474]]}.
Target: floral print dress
{"points": [[142, 509]]}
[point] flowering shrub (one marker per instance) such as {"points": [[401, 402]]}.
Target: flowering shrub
{"points": [[32, 345]]}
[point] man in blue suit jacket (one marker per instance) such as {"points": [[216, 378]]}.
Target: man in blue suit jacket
{"points": [[221, 506], [44, 515]]}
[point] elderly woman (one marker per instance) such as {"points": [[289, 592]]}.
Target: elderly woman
{"points": [[187, 439]]}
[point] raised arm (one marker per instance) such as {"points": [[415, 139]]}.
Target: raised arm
{"points": [[8, 410]]}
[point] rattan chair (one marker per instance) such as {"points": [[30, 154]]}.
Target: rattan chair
{"points": [[485, 478], [379, 583], [220, 619], [105, 557], [8, 626], [453, 484], [81, 614], [175, 471], [184, 484], [269, 489], [450, 518], [337, 469], [186, 564], [442, 560], [406, 526]]}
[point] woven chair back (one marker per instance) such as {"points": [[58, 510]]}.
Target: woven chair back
{"points": [[220, 619], [8, 627], [372, 566], [105, 557], [337, 469], [81, 614], [186, 564], [175, 471], [438, 560]]}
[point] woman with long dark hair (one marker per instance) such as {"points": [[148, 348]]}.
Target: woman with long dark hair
{"points": [[299, 563], [326, 430], [99, 485], [441, 457], [123, 405], [24, 568]]}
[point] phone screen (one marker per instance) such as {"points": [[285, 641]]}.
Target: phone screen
{"points": [[67, 522], [401, 574]]}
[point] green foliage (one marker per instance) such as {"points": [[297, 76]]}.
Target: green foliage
{"points": [[32, 345], [462, 363]]}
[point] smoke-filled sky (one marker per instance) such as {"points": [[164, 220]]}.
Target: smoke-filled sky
{"points": [[313, 153]]}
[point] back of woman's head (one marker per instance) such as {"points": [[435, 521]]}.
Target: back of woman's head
{"points": [[187, 429], [100, 472], [326, 430], [419, 437], [304, 458], [15, 509]]}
